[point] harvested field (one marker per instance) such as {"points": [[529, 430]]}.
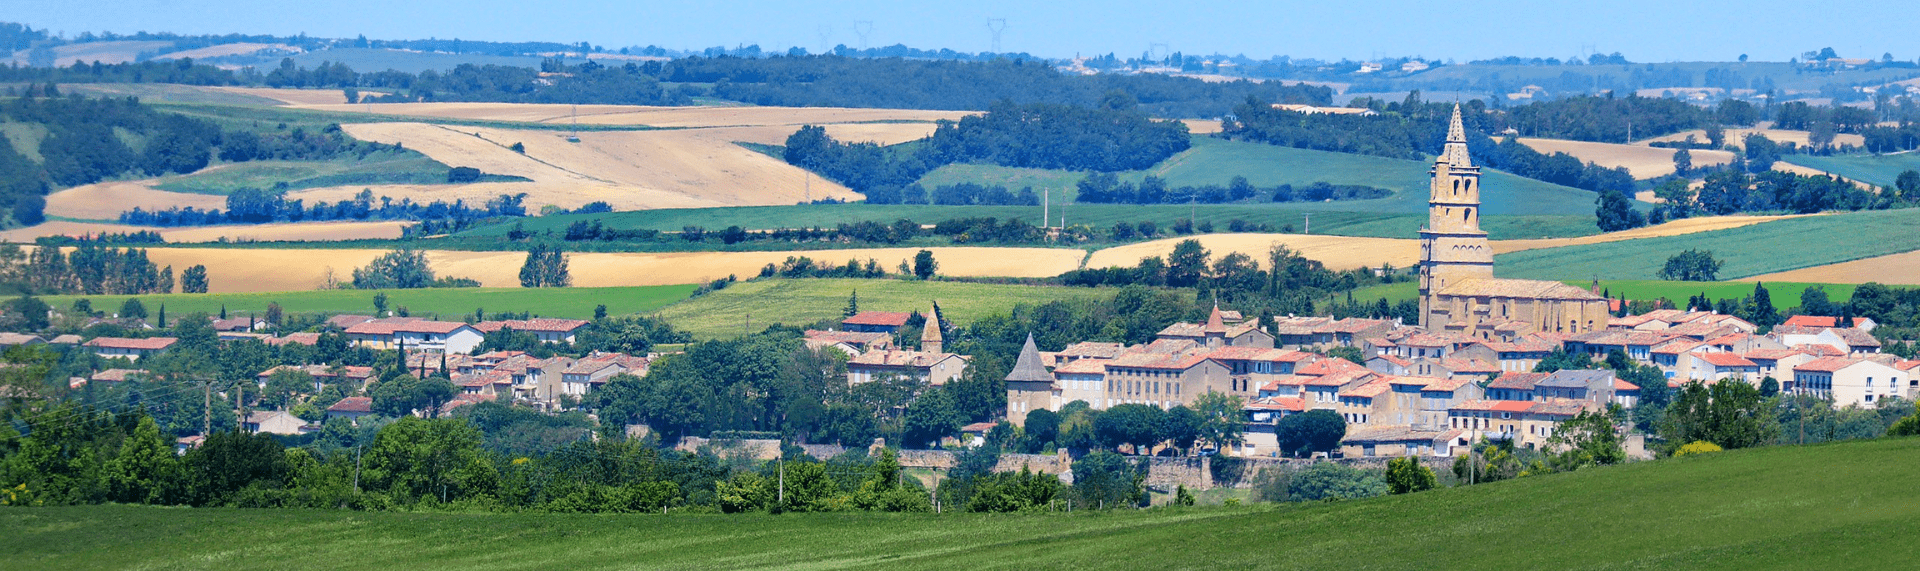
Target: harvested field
{"points": [[265, 269], [1643, 162], [1337, 252], [684, 117], [1674, 228], [1735, 136], [223, 50], [106, 200], [294, 96], [1201, 126], [629, 169], [1895, 269]]}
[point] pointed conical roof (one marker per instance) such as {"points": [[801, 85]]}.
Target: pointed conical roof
{"points": [[931, 331], [1028, 367], [1216, 323], [1456, 152]]}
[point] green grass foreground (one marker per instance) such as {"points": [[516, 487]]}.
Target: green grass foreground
{"points": [[799, 302], [1837, 506], [449, 303]]}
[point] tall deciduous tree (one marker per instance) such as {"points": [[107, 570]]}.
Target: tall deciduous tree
{"points": [[546, 266], [399, 269], [194, 279]]}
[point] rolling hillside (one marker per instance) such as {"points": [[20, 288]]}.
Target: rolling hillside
{"points": [[1837, 506], [1873, 169]]}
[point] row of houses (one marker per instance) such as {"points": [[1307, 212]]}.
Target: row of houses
{"points": [[413, 333], [1429, 392]]}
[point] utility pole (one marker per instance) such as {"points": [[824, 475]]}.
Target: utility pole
{"points": [[1309, 216], [206, 411], [783, 481], [1046, 205], [356, 468]]}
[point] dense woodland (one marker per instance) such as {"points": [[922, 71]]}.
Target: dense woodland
{"points": [[1114, 137]]}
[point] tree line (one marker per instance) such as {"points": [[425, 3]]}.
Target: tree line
{"points": [[1114, 137], [1107, 188], [90, 268], [254, 206], [1290, 284]]}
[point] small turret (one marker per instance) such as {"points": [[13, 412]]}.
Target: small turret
{"points": [[930, 340]]}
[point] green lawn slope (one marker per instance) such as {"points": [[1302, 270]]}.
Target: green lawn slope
{"points": [[450, 303], [800, 302], [1837, 506], [1745, 251]]}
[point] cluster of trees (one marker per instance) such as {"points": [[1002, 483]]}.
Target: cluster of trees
{"points": [[1290, 284], [1107, 188], [253, 206], [1114, 137], [91, 267]]}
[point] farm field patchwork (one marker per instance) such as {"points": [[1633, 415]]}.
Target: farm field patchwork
{"points": [[295, 175], [1880, 170], [682, 117], [799, 302], [1337, 252], [1644, 162], [448, 303], [1746, 251], [1744, 509], [1736, 136], [298, 231]]}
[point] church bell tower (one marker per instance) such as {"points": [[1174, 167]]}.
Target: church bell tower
{"points": [[1452, 246]]}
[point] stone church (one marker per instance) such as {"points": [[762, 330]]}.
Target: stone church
{"points": [[1458, 293]]}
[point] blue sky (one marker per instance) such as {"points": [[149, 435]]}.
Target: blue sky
{"points": [[1643, 30]]}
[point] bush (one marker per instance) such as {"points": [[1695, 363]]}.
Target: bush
{"points": [[1909, 426], [1328, 481], [1697, 447]]}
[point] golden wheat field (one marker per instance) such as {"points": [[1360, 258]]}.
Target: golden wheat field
{"points": [[1643, 162], [676, 117], [1893, 269], [297, 231], [262, 269], [630, 170], [106, 200], [1337, 252], [1735, 136]]}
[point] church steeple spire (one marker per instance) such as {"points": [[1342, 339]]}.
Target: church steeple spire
{"points": [[1456, 151]]}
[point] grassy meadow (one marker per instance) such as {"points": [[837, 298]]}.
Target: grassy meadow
{"points": [[449, 303], [1749, 510], [1872, 169], [800, 302], [1745, 251], [383, 168]]}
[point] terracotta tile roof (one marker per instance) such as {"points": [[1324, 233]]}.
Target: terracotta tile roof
{"points": [[1771, 354], [379, 327], [345, 321], [1370, 389], [1397, 433], [147, 344], [1518, 289], [1395, 359], [538, 324], [1628, 321], [1560, 408], [1521, 381], [1093, 349], [1856, 337], [1469, 366], [880, 318], [117, 375], [1821, 350], [893, 358], [1288, 404], [851, 337], [1906, 365], [1341, 378], [1327, 366], [1355, 325], [423, 326], [1816, 321], [352, 404], [1289, 380], [1300, 325], [68, 339], [1826, 365], [1381, 342], [1446, 385], [1083, 367], [234, 324], [1724, 360], [1524, 346], [1619, 385], [1679, 346], [308, 339]]}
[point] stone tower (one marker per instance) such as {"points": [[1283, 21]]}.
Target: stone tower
{"points": [[1452, 246], [930, 340]]}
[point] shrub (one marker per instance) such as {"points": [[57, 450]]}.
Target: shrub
{"points": [[1697, 447], [1909, 426]]}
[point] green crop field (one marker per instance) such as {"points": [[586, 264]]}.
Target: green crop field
{"points": [[383, 168], [1217, 161], [1837, 506], [1785, 295], [1872, 169], [800, 302], [449, 303], [1746, 251]]}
